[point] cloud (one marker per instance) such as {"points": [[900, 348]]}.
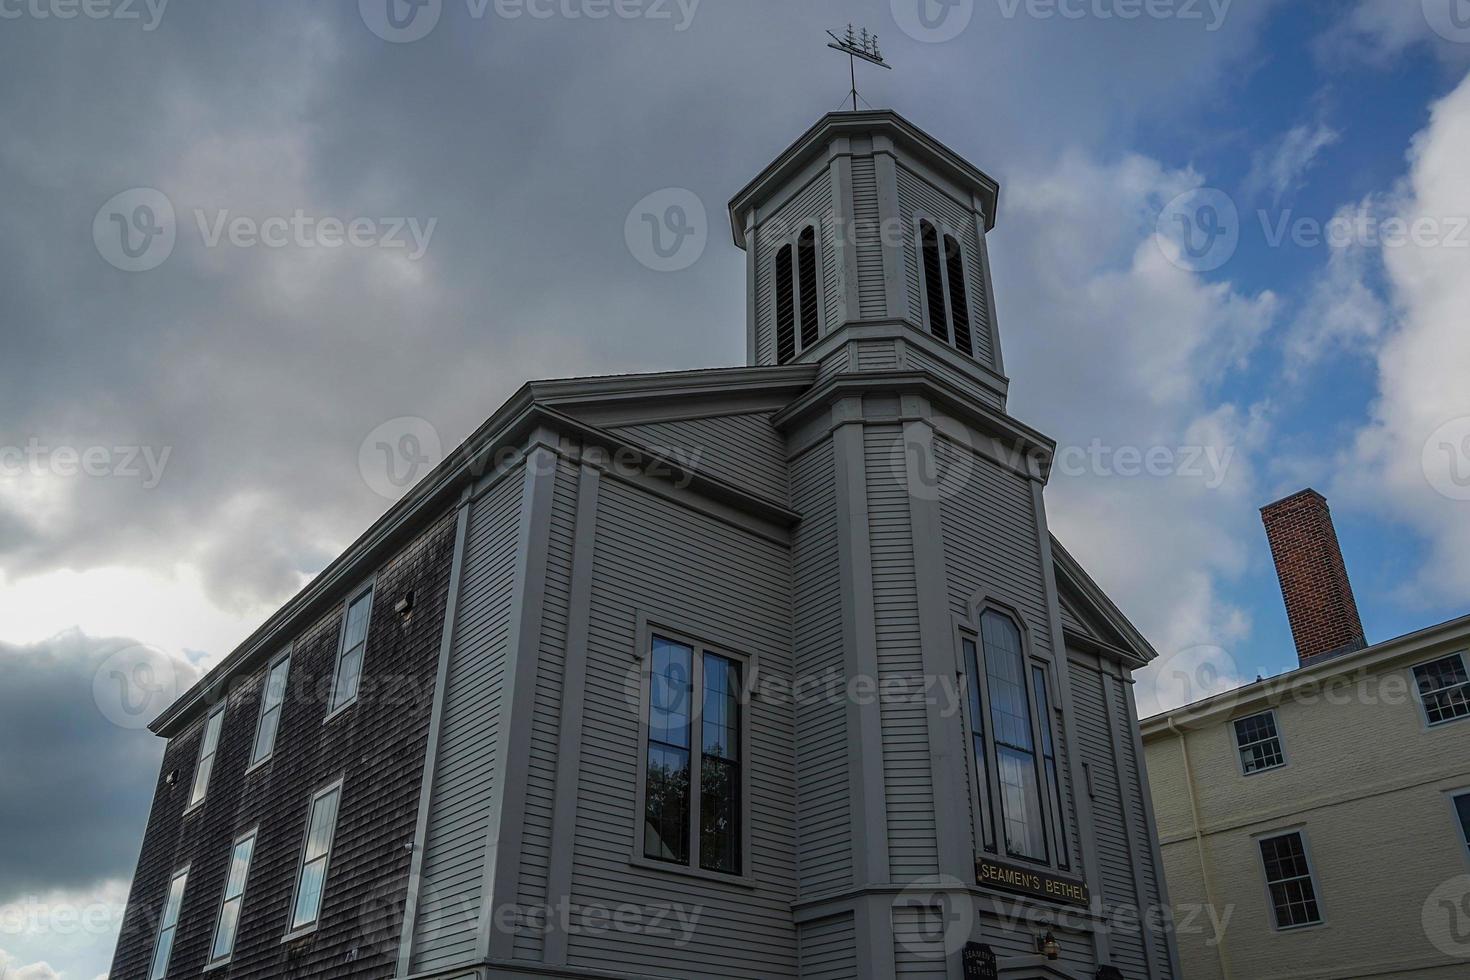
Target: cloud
{"points": [[1412, 460], [1377, 33], [1112, 348], [77, 776], [1344, 309], [1279, 168], [66, 932], [12, 969]]}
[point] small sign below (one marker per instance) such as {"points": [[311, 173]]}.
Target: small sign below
{"points": [[1033, 882], [979, 962]]}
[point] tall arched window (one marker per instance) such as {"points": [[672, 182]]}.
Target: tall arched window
{"points": [[1022, 818], [806, 260], [944, 288], [785, 308], [959, 303]]}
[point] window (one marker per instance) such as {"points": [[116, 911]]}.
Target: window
{"points": [[272, 699], [1259, 744], [1461, 804], [1024, 828], [349, 656], [168, 925], [1039, 688], [1289, 881], [234, 898], [688, 821], [207, 749], [1444, 689], [945, 292], [316, 852], [978, 752], [798, 295]]}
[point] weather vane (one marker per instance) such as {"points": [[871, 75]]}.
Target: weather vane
{"points": [[858, 45]]}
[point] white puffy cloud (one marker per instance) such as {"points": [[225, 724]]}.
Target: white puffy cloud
{"points": [[12, 969], [1413, 458]]}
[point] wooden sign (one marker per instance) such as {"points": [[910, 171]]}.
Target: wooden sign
{"points": [[1032, 882], [979, 962]]}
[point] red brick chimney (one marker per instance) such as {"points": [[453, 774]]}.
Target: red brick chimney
{"points": [[1314, 580]]}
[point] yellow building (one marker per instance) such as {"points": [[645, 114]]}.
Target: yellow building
{"points": [[1315, 824]]}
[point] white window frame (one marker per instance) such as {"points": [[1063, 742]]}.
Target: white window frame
{"points": [[1280, 743], [691, 636], [1462, 832], [368, 588], [1414, 686], [1299, 831], [252, 835], [969, 630], [294, 931], [794, 240], [257, 760], [217, 713], [164, 925], [942, 230]]}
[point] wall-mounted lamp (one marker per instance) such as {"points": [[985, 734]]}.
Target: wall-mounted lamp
{"points": [[404, 606], [1048, 946], [172, 777]]}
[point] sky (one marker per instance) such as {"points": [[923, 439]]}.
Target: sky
{"points": [[264, 262]]}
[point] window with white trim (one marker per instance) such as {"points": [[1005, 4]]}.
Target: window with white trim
{"points": [[272, 702], [1289, 881], [316, 855], [798, 278], [168, 924], [233, 901], [1444, 689], [946, 297], [351, 649], [688, 821], [1259, 743], [1013, 744], [1461, 804], [208, 747]]}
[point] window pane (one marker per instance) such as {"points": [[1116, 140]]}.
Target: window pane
{"points": [[211, 732], [1004, 666], [666, 804], [1293, 896], [323, 821], [1444, 688], [175, 900], [224, 935], [1462, 810], [275, 684], [265, 740], [670, 687], [785, 313], [161, 955], [959, 302], [168, 926], [309, 894], [719, 816], [357, 621], [201, 780], [239, 868], [1021, 799], [933, 283], [978, 750], [349, 672], [721, 708]]}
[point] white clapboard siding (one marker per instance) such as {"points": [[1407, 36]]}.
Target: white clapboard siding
{"points": [[743, 449]]}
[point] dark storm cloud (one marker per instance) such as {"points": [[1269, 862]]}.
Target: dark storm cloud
{"points": [[77, 767]]}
